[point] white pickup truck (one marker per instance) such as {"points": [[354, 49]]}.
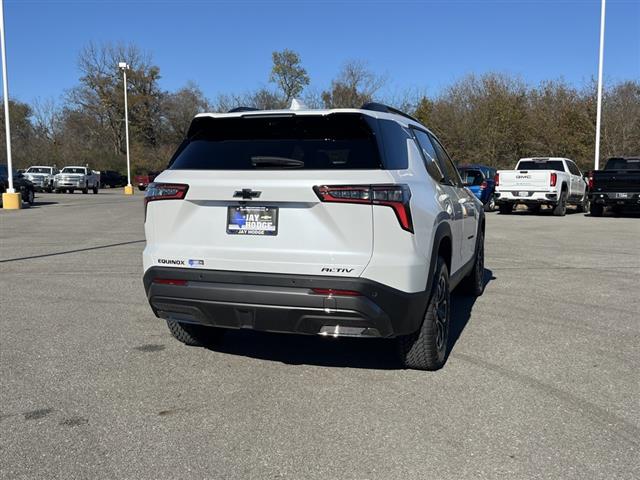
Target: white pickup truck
{"points": [[76, 178], [551, 181]]}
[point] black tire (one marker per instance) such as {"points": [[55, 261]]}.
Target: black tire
{"points": [[505, 208], [142, 188], [560, 209], [195, 335], [85, 190], [427, 348], [70, 190], [596, 209], [95, 189], [473, 284], [31, 197], [490, 206], [585, 205]]}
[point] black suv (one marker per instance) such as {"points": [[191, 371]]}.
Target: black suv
{"points": [[112, 179], [20, 184]]}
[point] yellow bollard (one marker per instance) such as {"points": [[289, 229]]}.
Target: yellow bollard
{"points": [[128, 190], [11, 201]]}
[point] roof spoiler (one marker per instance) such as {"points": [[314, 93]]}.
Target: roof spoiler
{"points": [[381, 107]]}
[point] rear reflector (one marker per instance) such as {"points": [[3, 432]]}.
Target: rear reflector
{"points": [[335, 292], [395, 196], [170, 281]]}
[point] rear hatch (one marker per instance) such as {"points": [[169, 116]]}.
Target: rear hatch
{"points": [[251, 204]]}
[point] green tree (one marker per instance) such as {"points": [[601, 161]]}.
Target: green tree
{"points": [[22, 134], [288, 73]]}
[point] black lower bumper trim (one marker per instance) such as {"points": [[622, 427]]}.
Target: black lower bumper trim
{"points": [[282, 302]]}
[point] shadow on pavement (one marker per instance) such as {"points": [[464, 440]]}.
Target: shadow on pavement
{"points": [[38, 203], [99, 247], [372, 353]]}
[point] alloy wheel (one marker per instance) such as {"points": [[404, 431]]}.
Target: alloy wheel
{"points": [[441, 313]]}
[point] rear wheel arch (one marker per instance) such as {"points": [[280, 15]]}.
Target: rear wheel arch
{"points": [[442, 246]]}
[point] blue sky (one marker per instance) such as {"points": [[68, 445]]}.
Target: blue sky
{"points": [[226, 46]]}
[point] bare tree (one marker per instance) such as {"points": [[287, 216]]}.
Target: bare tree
{"points": [[179, 108], [355, 85]]}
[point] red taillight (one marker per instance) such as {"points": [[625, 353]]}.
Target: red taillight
{"points": [[394, 196], [170, 281], [496, 179], [483, 185], [590, 181], [164, 191], [554, 179], [333, 292]]}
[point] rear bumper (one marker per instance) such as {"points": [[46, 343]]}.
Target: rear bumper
{"points": [[284, 303], [530, 197], [615, 198]]}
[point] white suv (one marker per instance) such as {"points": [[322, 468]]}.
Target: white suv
{"points": [[344, 222]]}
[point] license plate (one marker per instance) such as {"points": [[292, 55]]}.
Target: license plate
{"points": [[252, 220], [523, 194], [622, 195]]}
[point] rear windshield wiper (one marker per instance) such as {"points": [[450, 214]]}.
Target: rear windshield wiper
{"points": [[276, 162]]}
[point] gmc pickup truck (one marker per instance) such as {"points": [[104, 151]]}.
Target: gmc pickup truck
{"points": [[617, 186], [551, 181]]}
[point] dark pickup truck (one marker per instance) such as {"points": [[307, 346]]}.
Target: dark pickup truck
{"points": [[617, 186]]}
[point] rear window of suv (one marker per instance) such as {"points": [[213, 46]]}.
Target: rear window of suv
{"points": [[314, 142], [541, 165]]}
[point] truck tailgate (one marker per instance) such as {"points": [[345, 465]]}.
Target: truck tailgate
{"points": [[524, 179], [616, 181]]}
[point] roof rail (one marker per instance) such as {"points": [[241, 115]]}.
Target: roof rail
{"points": [[381, 107], [243, 109]]}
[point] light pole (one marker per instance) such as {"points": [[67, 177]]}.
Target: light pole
{"points": [[599, 105], [128, 190], [10, 199]]}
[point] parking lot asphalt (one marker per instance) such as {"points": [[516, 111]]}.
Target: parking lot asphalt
{"points": [[542, 381]]}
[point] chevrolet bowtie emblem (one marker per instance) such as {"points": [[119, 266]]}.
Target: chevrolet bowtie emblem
{"points": [[246, 193]]}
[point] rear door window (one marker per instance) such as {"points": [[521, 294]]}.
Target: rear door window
{"points": [[450, 170], [471, 177], [573, 168], [312, 142], [429, 155]]}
